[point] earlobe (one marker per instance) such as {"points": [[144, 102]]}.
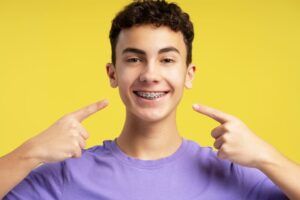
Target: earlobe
{"points": [[190, 76], [188, 85], [111, 73]]}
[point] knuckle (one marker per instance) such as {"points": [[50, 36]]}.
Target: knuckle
{"points": [[65, 118], [227, 126], [75, 143], [84, 134], [213, 132], [216, 132], [72, 124], [67, 122], [236, 124], [82, 144], [215, 142], [73, 134], [216, 145], [89, 109], [68, 154], [77, 154], [61, 121], [225, 137], [232, 117], [224, 148], [77, 150]]}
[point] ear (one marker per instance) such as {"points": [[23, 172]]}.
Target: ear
{"points": [[190, 76], [112, 75]]}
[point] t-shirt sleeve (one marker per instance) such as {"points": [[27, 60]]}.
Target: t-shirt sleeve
{"points": [[44, 182], [256, 185]]}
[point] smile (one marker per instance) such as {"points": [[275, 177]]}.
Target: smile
{"points": [[150, 95]]}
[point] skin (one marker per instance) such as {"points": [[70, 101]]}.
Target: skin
{"points": [[150, 130], [150, 59]]}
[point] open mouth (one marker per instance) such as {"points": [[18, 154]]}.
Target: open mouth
{"points": [[150, 95]]}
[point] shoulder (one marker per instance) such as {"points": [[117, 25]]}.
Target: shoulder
{"points": [[88, 155], [206, 155], [98, 151], [103, 148], [91, 157], [207, 159]]}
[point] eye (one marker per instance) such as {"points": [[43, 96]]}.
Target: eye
{"points": [[168, 60], [133, 60]]}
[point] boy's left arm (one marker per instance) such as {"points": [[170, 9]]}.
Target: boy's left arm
{"points": [[237, 143]]}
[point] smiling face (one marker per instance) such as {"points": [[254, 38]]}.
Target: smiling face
{"points": [[150, 71]]}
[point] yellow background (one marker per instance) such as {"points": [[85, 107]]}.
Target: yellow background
{"points": [[53, 56]]}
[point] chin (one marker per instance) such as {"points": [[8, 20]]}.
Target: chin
{"points": [[149, 111], [152, 115]]}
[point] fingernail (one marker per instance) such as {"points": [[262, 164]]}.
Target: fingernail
{"points": [[196, 106], [105, 101]]}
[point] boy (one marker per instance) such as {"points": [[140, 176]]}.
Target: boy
{"points": [[151, 64]]}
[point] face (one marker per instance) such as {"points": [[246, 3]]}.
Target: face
{"points": [[150, 71]]}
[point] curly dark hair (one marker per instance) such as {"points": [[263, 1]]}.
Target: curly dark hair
{"points": [[155, 12]]}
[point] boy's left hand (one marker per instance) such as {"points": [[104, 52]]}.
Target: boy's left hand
{"points": [[235, 141]]}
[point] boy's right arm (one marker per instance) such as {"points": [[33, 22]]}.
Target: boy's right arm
{"points": [[15, 166], [64, 139]]}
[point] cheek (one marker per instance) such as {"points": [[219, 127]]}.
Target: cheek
{"points": [[124, 83], [177, 78], [125, 80]]}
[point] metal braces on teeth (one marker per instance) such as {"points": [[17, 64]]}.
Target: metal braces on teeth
{"points": [[150, 95]]}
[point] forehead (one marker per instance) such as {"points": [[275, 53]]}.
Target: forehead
{"points": [[150, 39]]}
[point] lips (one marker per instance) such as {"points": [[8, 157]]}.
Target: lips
{"points": [[150, 95], [151, 91]]}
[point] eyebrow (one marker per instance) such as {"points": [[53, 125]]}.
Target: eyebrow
{"points": [[139, 51]]}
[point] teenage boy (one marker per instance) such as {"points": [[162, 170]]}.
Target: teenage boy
{"points": [[151, 64]]}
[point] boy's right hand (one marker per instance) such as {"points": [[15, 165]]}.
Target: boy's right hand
{"points": [[64, 139]]}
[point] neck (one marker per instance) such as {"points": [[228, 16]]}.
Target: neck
{"points": [[149, 140]]}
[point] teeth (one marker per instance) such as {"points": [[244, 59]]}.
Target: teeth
{"points": [[150, 95]]}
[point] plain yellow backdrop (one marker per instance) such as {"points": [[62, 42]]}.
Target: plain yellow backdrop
{"points": [[53, 56]]}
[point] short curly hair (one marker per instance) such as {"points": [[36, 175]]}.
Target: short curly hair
{"points": [[155, 12]]}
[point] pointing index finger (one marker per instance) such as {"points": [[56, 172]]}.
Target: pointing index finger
{"points": [[213, 113], [86, 111]]}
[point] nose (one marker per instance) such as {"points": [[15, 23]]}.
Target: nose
{"points": [[150, 73]]}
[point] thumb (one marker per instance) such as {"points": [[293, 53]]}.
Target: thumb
{"points": [[85, 112]]}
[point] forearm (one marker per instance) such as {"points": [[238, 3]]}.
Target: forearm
{"points": [[284, 173], [14, 167]]}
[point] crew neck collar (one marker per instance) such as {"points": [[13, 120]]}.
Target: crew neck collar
{"points": [[139, 163]]}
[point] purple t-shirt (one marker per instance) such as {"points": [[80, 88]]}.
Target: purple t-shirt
{"points": [[105, 172]]}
